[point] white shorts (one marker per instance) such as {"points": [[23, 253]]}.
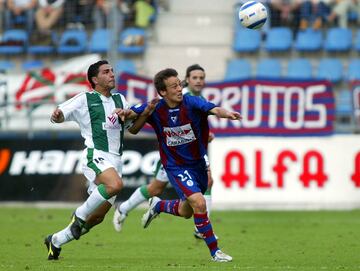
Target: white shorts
{"points": [[160, 173], [95, 162]]}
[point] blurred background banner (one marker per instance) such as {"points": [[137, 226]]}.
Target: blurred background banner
{"points": [[275, 107], [282, 173], [45, 169]]}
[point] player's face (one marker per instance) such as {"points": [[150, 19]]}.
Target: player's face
{"points": [[196, 81], [173, 93], [105, 80]]}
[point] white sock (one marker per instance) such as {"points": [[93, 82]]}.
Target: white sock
{"points": [[92, 203], [135, 199], [208, 203], [62, 237]]}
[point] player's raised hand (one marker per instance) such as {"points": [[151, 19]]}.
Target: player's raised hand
{"points": [[57, 116], [122, 113], [150, 106]]}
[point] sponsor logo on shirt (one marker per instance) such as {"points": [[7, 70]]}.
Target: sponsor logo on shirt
{"points": [[179, 135], [111, 122]]}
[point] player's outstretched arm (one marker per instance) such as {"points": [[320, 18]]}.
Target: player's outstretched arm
{"points": [[223, 113], [141, 120], [57, 116], [125, 114]]}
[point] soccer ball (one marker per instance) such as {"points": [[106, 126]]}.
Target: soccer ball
{"points": [[253, 15]]}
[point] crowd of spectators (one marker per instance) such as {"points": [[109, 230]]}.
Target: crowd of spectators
{"points": [[301, 15], [43, 16]]}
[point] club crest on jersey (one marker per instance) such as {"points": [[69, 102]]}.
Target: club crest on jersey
{"points": [[174, 119], [179, 135]]}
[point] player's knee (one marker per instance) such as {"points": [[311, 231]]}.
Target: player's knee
{"points": [[115, 188], [200, 206], [156, 191]]}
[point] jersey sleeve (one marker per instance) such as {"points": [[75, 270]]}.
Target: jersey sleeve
{"points": [[139, 108], [73, 105], [128, 123], [200, 103]]}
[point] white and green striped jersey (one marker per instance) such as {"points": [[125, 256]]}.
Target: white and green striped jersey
{"points": [[101, 129]]}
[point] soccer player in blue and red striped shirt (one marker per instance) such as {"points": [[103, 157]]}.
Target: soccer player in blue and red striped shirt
{"points": [[182, 130]]}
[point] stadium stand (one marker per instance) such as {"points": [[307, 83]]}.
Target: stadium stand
{"points": [[278, 39], [73, 41], [353, 72], [204, 32], [32, 65], [247, 41], [309, 41], [100, 41], [330, 69], [338, 40], [238, 69], [357, 41], [14, 41], [6, 65], [299, 68], [44, 45], [268, 68], [132, 41]]}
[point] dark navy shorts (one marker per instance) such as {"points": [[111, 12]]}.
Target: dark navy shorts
{"points": [[188, 180]]}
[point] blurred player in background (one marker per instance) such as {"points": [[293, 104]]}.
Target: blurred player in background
{"points": [[101, 117], [180, 123], [194, 83]]}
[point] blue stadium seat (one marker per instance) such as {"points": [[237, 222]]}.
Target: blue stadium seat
{"points": [[100, 41], [73, 41], [357, 41], [125, 65], [353, 72], [246, 41], [330, 69], [309, 41], [299, 68], [132, 41], [14, 41], [46, 48], [238, 69], [32, 65], [278, 39], [6, 65], [338, 40], [268, 68]]}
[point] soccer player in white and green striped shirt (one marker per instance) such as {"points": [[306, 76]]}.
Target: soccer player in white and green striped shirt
{"points": [[101, 116]]}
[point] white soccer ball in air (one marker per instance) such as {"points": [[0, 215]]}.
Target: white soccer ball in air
{"points": [[253, 15]]}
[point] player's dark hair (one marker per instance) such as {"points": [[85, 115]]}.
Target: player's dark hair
{"points": [[161, 76], [93, 71], [189, 69]]}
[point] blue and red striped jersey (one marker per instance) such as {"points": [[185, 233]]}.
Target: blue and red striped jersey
{"points": [[182, 131]]}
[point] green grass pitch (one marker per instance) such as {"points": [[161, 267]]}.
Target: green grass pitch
{"points": [[257, 240]]}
